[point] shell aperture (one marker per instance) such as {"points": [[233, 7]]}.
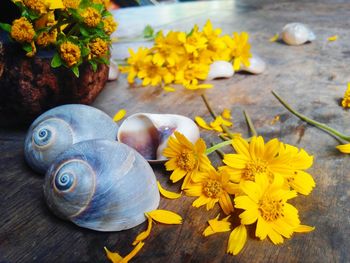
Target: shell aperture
{"points": [[101, 185], [148, 133], [57, 129]]}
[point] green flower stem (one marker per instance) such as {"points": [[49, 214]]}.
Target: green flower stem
{"points": [[219, 152], [250, 123], [312, 122], [224, 138], [132, 39], [120, 62], [218, 146], [213, 114]]}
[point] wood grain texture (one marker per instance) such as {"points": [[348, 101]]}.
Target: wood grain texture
{"points": [[312, 78]]}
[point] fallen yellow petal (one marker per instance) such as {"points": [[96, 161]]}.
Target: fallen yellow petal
{"points": [[116, 258], [119, 115], [113, 256], [165, 217], [274, 38], [333, 38], [166, 193], [304, 229], [143, 235], [217, 226], [202, 123], [55, 4], [237, 240], [226, 114], [345, 148], [169, 89]]}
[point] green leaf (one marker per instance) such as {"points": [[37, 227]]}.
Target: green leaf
{"points": [[84, 51], [106, 13], [56, 61], [190, 33], [84, 31], [27, 47], [5, 27], [94, 65], [148, 32], [75, 70]]}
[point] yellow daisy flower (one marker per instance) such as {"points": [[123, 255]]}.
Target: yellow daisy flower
{"points": [[267, 205], [212, 187], [185, 159], [271, 159], [98, 48], [135, 63], [190, 75], [150, 73], [193, 42], [39, 6], [91, 17], [109, 25], [70, 53], [346, 100], [240, 50]]}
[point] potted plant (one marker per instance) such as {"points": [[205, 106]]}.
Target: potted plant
{"points": [[52, 52]]}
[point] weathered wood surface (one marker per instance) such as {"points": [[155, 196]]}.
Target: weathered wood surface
{"points": [[312, 78]]}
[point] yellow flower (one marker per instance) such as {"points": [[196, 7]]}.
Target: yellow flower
{"points": [[240, 50], [98, 48], [39, 6], [217, 226], [346, 100], [135, 63], [45, 39], [267, 204], [70, 53], [22, 30], [226, 114], [150, 73], [109, 25], [167, 49], [271, 159], [185, 159], [345, 148], [193, 42], [91, 17], [190, 75], [71, 3], [212, 187]]}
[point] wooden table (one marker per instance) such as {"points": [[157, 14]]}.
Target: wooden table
{"points": [[312, 78]]}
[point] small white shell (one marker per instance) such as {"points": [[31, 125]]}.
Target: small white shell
{"points": [[148, 133], [257, 65], [220, 69], [297, 34], [113, 73]]}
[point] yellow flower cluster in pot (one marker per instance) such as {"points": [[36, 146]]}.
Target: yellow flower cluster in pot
{"points": [[76, 30], [180, 58], [258, 180]]}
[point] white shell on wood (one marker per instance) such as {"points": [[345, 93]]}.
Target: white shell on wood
{"points": [[297, 34], [257, 65], [57, 129], [101, 185], [148, 133], [113, 72], [220, 69]]}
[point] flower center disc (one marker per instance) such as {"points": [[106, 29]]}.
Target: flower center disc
{"points": [[186, 161], [254, 167], [271, 209], [212, 189]]}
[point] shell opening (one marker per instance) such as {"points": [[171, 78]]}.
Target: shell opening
{"points": [[64, 181]]}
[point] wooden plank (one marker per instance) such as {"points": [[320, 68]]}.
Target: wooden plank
{"points": [[311, 77]]}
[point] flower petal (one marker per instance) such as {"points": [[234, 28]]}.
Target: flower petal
{"points": [[304, 229], [166, 193], [262, 228], [249, 216], [226, 203], [165, 217], [237, 240], [116, 258], [119, 115], [143, 235], [202, 123], [345, 148], [177, 175]]}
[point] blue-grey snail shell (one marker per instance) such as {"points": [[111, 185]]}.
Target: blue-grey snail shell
{"points": [[57, 129], [101, 185]]}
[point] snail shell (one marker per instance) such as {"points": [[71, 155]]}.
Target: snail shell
{"points": [[257, 65], [101, 185], [148, 133], [220, 69], [297, 34], [113, 72], [57, 129]]}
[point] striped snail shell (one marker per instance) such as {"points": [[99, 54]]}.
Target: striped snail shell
{"points": [[57, 129], [101, 185]]}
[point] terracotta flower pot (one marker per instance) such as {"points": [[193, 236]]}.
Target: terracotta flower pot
{"points": [[30, 86]]}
